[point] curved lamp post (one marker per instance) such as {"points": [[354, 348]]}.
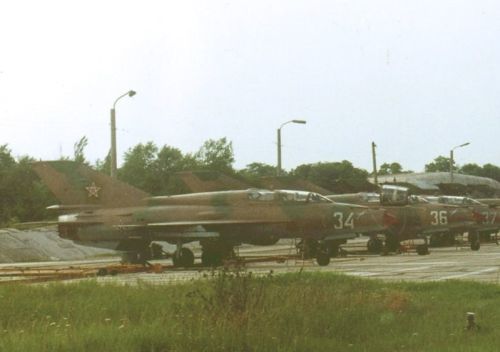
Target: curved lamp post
{"points": [[130, 93], [451, 159], [278, 170]]}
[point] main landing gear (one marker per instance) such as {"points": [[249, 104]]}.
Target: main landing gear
{"points": [[213, 254], [140, 253], [183, 257], [321, 250], [474, 241], [377, 246]]}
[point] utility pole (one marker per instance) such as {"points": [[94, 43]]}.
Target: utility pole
{"points": [[278, 169], [113, 162], [451, 166], [374, 159], [451, 158]]}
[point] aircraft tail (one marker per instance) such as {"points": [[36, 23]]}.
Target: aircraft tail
{"points": [[79, 185]]}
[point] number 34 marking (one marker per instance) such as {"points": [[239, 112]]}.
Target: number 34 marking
{"points": [[341, 223]]}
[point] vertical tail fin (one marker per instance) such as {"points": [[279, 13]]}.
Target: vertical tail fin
{"points": [[77, 184]]}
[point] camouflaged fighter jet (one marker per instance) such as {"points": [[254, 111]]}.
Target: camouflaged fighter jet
{"points": [[487, 219], [104, 212], [412, 217]]}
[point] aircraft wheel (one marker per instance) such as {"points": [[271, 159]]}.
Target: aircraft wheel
{"points": [[323, 258], [475, 244], [422, 249], [184, 258], [374, 246]]}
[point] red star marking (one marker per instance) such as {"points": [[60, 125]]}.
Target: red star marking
{"points": [[93, 190]]}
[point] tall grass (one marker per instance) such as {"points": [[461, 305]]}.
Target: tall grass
{"points": [[238, 312]]}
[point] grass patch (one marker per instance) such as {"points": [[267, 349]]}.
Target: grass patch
{"points": [[239, 312]]}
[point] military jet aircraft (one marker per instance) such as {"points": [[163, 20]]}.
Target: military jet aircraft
{"points": [[103, 212], [413, 217], [488, 219]]}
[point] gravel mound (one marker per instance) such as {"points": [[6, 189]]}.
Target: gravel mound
{"points": [[42, 244]]}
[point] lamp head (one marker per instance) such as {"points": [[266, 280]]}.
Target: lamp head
{"points": [[131, 93]]}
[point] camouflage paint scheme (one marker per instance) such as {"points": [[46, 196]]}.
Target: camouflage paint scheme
{"points": [[105, 212], [415, 217], [485, 213]]}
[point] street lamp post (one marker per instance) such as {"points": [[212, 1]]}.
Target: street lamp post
{"points": [[278, 170], [130, 93], [374, 160], [451, 159]]}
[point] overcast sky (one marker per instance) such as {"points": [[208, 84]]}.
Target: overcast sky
{"points": [[416, 77]]}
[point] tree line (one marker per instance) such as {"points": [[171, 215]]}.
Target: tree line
{"points": [[152, 168]]}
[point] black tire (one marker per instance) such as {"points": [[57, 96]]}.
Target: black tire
{"points": [[422, 249], [475, 244], [323, 258], [184, 258]]}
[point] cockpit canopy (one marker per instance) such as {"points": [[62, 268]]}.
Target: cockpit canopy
{"points": [[286, 196], [370, 197], [454, 200], [393, 195]]}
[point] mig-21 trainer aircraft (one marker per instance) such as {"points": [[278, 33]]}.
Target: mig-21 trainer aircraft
{"points": [[104, 212], [488, 219], [413, 217]]}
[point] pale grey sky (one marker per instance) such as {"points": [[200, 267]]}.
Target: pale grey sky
{"points": [[416, 77]]}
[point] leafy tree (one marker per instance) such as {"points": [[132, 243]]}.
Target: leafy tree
{"points": [[22, 195], [390, 169], [29, 196], [7, 165], [491, 171], [79, 149], [6, 159], [216, 155], [151, 169], [138, 168], [472, 169], [255, 170], [104, 166], [168, 161], [341, 177], [253, 173], [440, 164]]}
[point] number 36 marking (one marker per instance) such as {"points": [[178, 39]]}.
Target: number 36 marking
{"points": [[439, 217], [340, 223]]}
